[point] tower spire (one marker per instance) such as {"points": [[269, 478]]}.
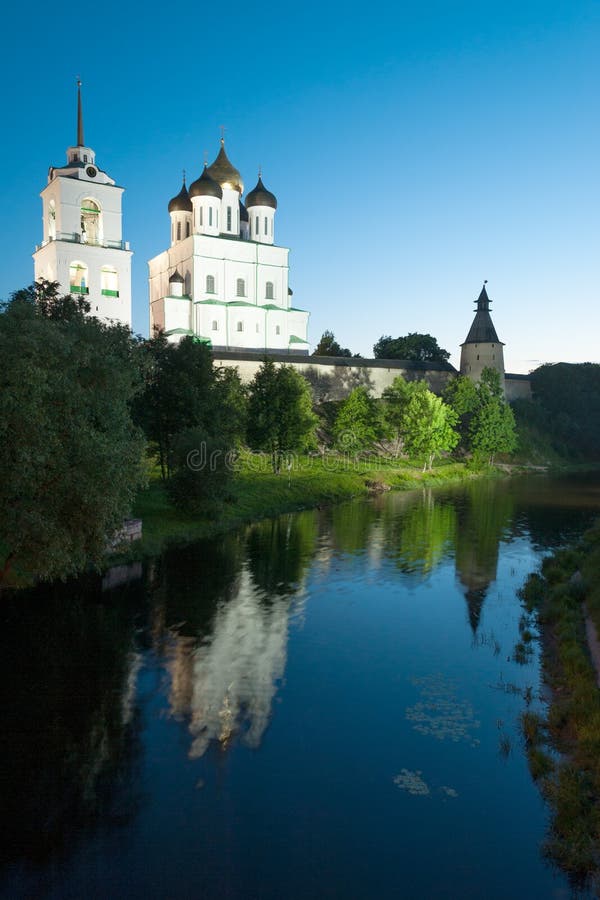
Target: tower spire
{"points": [[80, 141]]}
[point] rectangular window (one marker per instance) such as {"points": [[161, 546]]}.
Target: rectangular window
{"points": [[266, 226], [200, 217], [257, 225], [210, 215], [228, 218]]}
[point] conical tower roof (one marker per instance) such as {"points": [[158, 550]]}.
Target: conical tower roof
{"points": [[224, 173], [482, 330]]}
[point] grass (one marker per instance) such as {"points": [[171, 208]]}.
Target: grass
{"points": [[258, 493], [563, 748]]}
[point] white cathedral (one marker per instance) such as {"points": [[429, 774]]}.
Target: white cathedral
{"points": [[82, 246], [223, 280]]}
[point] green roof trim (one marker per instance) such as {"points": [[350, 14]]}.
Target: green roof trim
{"points": [[240, 303], [211, 302], [183, 297], [273, 306], [178, 331], [297, 340], [296, 309]]}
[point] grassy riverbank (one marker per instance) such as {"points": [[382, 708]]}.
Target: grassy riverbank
{"points": [[258, 493], [563, 746]]}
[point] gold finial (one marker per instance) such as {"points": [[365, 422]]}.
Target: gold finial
{"points": [[260, 171], [205, 158], [223, 129]]}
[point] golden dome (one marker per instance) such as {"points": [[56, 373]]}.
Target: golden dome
{"points": [[224, 173]]}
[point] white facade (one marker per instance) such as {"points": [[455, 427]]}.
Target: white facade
{"points": [[235, 279], [82, 246]]}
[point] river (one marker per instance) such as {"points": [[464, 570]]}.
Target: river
{"points": [[322, 705]]}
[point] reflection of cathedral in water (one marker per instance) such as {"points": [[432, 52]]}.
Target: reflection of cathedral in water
{"points": [[226, 683]]}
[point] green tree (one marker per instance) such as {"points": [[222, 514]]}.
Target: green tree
{"points": [[359, 423], [492, 428], [280, 416], [328, 346], [461, 395], [396, 398], [428, 427], [414, 346], [72, 458], [183, 390], [202, 470]]}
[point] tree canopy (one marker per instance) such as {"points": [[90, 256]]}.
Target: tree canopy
{"points": [[328, 346], [428, 426], [359, 423], [72, 457], [280, 416], [413, 346]]}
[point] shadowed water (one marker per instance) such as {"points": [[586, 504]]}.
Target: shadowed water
{"points": [[321, 705]]}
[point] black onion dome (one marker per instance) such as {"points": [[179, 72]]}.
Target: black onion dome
{"points": [[176, 278], [243, 212], [205, 186], [224, 173], [260, 196], [182, 202]]}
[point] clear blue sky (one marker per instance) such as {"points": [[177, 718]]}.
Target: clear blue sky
{"points": [[415, 149]]}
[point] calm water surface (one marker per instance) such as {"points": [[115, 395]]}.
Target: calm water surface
{"points": [[322, 705]]}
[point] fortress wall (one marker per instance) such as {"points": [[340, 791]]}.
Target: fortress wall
{"points": [[517, 387], [332, 378]]}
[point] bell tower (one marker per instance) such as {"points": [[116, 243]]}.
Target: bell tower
{"points": [[82, 246]]}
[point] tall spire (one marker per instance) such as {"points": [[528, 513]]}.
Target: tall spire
{"points": [[80, 141], [483, 301]]}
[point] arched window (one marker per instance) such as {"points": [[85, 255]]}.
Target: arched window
{"points": [[210, 216], [210, 284], [200, 217], [277, 329], [78, 278], [179, 231], [256, 225], [240, 288], [240, 326], [109, 281], [187, 229], [187, 284], [215, 325], [269, 290], [51, 220], [266, 226], [91, 222], [228, 218]]}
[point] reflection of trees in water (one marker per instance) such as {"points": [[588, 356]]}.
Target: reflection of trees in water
{"points": [[351, 525], [226, 638], [69, 737], [280, 550], [484, 514], [556, 517], [420, 537]]}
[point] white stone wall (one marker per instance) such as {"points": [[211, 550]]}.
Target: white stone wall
{"points": [[334, 382], [474, 358], [262, 224]]}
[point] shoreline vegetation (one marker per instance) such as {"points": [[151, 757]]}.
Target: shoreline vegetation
{"points": [[91, 415], [563, 743], [258, 493]]}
